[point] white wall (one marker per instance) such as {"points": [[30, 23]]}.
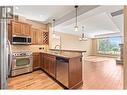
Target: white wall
{"points": [[71, 42]]}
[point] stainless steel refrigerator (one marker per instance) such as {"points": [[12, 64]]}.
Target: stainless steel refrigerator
{"points": [[5, 47]]}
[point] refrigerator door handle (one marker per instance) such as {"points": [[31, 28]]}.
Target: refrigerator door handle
{"points": [[10, 57]]}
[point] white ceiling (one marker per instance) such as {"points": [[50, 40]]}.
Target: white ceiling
{"points": [[42, 13], [97, 21]]}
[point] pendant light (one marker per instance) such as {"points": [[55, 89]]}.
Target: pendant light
{"points": [[83, 36], [53, 29], [76, 20]]}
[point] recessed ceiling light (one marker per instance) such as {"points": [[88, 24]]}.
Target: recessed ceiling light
{"points": [[40, 15], [16, 8], [8, 9]]}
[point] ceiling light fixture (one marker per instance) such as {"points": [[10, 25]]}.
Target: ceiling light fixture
{"points": [[83, 36], [53, 33], [76, 20], [8, 10], [16, 8], [40, 15]]}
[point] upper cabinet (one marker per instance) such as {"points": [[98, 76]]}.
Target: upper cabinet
{"points": [[20, 28], [26, 29], [34, 35], [39, 36], [16, 28]]}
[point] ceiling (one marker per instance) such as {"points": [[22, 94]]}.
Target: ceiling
{"points": [[42, 13], [96, 19]]}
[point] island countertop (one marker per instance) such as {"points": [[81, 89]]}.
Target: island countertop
{"points": [[67, 54], [80, 51]]}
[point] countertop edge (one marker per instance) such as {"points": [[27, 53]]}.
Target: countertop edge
{"points": [[57, 55], [68, 50], [61, 55]]}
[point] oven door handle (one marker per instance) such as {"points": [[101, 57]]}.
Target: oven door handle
{"points": [[22, 57]]}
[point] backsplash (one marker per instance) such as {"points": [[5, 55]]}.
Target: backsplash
{"points": [[32, 48]]}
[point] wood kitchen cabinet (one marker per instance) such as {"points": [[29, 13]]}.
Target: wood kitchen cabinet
{"points": [[50, 64], [36, 61], [67, 70], [40, 37], [46, 63], [16, 28], [33, 35], [41, 61], [26, 28], [37, 36], [20, 28]]}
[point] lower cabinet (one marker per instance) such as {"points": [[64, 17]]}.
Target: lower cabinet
{"points": [[67, 71], [36, 60], [46, 63], [49, 64], [52, 66], [41, 61]]}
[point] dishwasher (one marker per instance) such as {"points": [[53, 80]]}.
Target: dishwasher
{"points": [[62, 70]]}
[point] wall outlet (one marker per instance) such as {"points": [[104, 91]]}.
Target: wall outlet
{"points": [[40, 48]]}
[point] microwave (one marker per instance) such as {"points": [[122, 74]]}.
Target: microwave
{"points": [[21, 39]]}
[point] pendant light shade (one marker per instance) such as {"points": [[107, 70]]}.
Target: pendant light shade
{"points": [[53, 29], [83, 36], [76, 20]]}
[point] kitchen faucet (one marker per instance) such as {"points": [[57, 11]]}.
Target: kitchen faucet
{"points": [[58, 46]]}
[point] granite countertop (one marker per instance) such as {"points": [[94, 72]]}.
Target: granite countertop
{"points": [[66, 55], [68, 50]]}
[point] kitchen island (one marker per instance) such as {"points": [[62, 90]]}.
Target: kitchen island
{"points": [[64, 67]]}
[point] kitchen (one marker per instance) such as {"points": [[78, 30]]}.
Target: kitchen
{"points": [[36, 48]]}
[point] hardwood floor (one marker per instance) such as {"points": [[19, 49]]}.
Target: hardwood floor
{"points": [[102, 73], [98, 73], [35, 80]]}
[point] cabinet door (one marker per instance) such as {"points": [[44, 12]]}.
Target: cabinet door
{"points": [[16, 28], [36, 61], [25, 29], [40, 37], [46, 63], [19, 28], [42, 61], [52, 66], [37, 36], [33, 35]]}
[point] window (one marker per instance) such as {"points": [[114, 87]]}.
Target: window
{"points": [[109, 45]]}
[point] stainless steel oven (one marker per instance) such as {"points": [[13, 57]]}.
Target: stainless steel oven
{"points": [[21, 63]]}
